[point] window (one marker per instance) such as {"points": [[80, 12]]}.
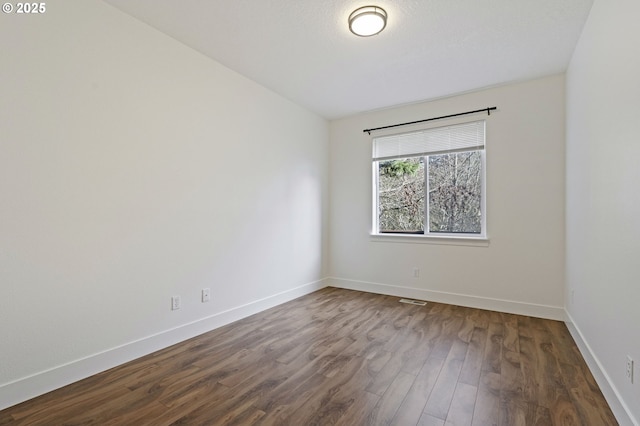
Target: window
{"points": [[431, 182]]}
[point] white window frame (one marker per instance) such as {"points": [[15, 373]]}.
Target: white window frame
{"points": [[428, 236]]}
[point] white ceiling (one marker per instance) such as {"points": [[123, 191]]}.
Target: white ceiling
{"points": [[303, 50]]}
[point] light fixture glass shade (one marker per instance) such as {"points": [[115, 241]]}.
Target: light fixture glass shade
{"points": [[367, 21]]}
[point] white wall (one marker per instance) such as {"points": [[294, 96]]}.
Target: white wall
{"points": [[603, 198], [522, 268], [132, 169]]}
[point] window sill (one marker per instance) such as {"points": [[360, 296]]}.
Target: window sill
{"points": [[449, 240]]}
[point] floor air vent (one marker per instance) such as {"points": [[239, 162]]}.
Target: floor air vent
{"points": [[413, 302]]}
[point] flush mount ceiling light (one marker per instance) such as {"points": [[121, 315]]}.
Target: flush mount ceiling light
{"points": [[367, 21]]}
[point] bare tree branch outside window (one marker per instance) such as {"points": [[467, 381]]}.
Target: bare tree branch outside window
{"points": [[454, 193]]}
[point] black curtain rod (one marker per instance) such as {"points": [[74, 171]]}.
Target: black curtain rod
{"points": [[488, 110]]}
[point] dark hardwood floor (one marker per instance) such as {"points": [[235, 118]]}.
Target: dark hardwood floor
{"points": [[341, 357]]}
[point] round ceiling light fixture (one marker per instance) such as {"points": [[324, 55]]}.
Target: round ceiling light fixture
{"points": [[367, 21]]}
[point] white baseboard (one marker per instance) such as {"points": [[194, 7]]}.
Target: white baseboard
{"points": [[21, 390], [508, 306], [620, 409]]}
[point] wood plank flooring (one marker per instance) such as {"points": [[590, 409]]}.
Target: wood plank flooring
{"points": [[341, 357]]}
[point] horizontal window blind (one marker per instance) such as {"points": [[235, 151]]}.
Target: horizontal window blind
{"points": [[439, 140]]}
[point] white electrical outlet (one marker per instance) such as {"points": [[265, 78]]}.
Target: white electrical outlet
{"points": [[175, 303], [630, 368], [416, 272], [206, 295]]}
